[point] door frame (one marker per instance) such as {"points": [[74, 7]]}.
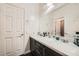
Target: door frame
{"points": [[58, 20]]}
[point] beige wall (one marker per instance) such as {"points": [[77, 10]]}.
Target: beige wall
{"points": [[31, 16], [31, 22], [45, 24]]}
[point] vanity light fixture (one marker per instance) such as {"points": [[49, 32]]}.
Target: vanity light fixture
{"points": [[49, 4], [49, 7]]}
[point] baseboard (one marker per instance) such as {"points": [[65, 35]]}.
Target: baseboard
{"points": [[25, 53]]}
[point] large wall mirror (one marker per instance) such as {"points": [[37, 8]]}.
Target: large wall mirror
{"points": [[59, 26]]}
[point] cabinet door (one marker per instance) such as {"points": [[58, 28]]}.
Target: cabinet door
{"points": [[40, 49], [38, 52], [12, 29], [36, 48], [32, 44], [33, 47], [49, 52]]}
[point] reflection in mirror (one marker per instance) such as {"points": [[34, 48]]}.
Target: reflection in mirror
{"points": [[59, 27]]}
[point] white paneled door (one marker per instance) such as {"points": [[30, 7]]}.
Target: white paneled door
{"points": [[12, 30]]}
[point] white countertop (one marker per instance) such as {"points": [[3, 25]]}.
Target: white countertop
{"points": [[57, 45]]}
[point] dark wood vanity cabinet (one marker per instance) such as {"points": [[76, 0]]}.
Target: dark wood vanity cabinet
{"points": [[38, 49], [49, 52]]}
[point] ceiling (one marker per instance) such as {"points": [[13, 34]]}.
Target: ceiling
{"points": [[41, 6], [44, 9]]}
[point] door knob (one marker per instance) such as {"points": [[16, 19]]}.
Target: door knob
{"points": [[22, 34]]}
